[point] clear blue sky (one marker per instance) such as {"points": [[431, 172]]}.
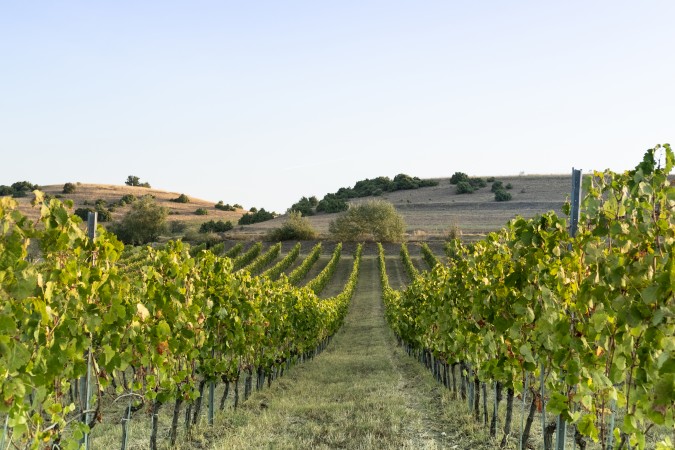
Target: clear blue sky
{"points": [[260, 103]]}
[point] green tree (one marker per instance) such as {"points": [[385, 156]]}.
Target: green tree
{"points": [[133, 180], [375, 219], [296, 228], [69, 188], [457, 177], [144, 223]]}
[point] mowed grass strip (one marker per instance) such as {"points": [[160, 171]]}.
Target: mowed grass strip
{"points": [[363, 392]]}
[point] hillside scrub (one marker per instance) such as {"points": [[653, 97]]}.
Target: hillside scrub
{"points": [[296, 228], [255, 216], [372, 220]]}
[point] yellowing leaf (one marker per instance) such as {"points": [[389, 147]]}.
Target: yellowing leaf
{"points": [[142, 311]]}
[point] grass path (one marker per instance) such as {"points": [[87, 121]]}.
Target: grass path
{"points": [[362, 392]]}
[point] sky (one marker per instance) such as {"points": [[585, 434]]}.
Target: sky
{"points": [[262, 102]]}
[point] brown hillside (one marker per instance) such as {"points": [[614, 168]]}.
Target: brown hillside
{"points": [[89, 193]]}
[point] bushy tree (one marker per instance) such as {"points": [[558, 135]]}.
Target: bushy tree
{"points": [[502, 196], [215, 227], [375, 219], [296, 228], [182, 198], [458, 177], [133, 180], [224, 207], [144, 223], [256, 216], [69, 188], [305, 206], [464, 187], [497, 186], [331, 203]]}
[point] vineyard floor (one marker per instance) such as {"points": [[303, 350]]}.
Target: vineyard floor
{"points": [[362, 392]]}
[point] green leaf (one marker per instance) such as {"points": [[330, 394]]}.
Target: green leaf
{"points": [[163, 329]]}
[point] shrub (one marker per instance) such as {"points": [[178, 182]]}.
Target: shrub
{"points": [[509, 186], [490, 179], [224, 207], [477, 183], [375, 219], [83, 213], [332, 204], [256, 217], [305, 206], [133, 180], [144, 223], [201, 212], [502, 196], [296, 228], [177, 226], [104, 215], [237, 206], [458, 177], [127, 199], [464, 187], [68, 188], [182, 198], [497, 186], [6, 190], [215, 227]]}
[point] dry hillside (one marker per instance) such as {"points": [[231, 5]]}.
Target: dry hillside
{"points": [[85, 195], [431, 212]]}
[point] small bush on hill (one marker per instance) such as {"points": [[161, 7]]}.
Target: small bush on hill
{"points": [[201, 212], [509, 186], [464, 187], [256, 216], [215, 227], [68, 188], [296, 228], [490, 179], [237, 206], [182, 198], [127, 199], [497, 186], [477, 183], [458, 177], [224, 207], [502, 196]]}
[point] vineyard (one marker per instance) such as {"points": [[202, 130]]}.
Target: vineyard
{"points": [[541, 337], [579, 328], [86, 324]]}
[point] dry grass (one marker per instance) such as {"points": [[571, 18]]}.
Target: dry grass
{"points": [[184, 212]]}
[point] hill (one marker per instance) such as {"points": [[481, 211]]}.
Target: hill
{"points": [[432, 212], [86, 195]]}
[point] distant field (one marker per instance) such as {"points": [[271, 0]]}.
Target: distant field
{"points": [[430, 212]]}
